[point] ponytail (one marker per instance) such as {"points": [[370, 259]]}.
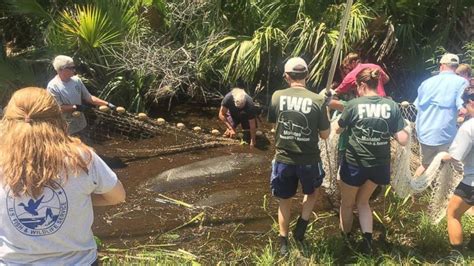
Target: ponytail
{"points": [[369, 76]]}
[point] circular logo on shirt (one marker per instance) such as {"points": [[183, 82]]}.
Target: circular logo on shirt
{"points": [[41, 216]]}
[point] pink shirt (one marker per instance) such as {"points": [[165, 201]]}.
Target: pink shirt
{"points": [[349, 81]]}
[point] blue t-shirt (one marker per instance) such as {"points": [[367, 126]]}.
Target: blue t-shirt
{"points": [[438, 102]]}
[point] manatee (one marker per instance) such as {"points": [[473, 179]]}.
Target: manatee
{"points": [[219, 198], [202, 172]]}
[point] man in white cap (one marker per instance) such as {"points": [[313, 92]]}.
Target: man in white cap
{"points": [[237, 107], [301, 119], [71, 94], [438, 103]]}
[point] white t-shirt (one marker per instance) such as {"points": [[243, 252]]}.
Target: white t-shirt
{"points": [[70, 93], [55, 228], [462, 150]]}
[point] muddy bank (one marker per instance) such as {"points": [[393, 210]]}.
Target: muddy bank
{"points": [[237, 210]]}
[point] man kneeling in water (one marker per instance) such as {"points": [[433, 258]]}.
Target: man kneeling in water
{"points": [[238, 108], [462, 151]]}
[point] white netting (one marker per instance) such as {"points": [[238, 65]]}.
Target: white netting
{"points": [[329, 156], [439, 178]]}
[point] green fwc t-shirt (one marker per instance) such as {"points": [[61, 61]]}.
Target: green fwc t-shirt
{"points": [[372, 120], [299, 115]]}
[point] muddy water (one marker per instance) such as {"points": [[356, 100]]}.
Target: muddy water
{"points": [[232, 210]]}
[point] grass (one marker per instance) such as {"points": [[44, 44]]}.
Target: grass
{"points": [[408, 237]]}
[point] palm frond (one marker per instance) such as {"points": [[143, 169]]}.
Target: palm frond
{"points": [[28, 7]]}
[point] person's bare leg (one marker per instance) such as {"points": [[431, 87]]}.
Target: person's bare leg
{"points": [[284, 216], [362, 200], [308, 205], [348, 199], [456, 208]]}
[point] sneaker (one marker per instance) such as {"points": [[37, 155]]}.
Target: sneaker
{"points": [[300, 229], [348, 239], [470, 244], [455, 254], [283, 245], [366, 245]]}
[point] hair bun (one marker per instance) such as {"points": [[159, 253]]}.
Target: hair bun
{"points": [[374, 73]]}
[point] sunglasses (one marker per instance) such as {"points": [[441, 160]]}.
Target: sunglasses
{"points": [[70, 67]]}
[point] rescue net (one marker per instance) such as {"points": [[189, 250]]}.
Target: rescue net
{"points": [[439, 180], [107, 125]]}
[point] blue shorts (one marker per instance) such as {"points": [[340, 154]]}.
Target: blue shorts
{"points": [[285, 177], [356, 176], [466, 193]]}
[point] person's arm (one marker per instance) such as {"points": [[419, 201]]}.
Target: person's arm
{"points": [[344, 119], [338, 128], [398, 126], [91, 99], [115, 196], [324, 134], [97, 101], [402, 136], [68, 108], [447, 158], [458, 166], [324, 125], [336, 105], [223, 117], [106, 188]]}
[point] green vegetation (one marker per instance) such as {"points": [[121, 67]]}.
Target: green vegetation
{"points": [[405, 236], [139, 53]]}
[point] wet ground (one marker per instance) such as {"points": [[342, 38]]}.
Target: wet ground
{"points": [[228, 214]]}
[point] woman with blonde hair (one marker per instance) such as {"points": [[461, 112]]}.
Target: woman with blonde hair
{"points": [[371, 120], [49, 183]]}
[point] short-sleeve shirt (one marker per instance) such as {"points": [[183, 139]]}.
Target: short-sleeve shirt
{"points": [[247, 112], [54, 228], [371, 121], [70, 93], [299, 115], [462, 149], [437, 103], [349, 81]]}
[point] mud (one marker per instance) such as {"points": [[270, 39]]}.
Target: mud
{"points": [[244, 216], [219, 198]]}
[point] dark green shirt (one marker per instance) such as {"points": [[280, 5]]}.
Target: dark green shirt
{"points": [[371, 121], [299, 115]]}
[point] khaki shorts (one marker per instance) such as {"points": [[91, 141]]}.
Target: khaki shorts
{"points": [[429, 152]]}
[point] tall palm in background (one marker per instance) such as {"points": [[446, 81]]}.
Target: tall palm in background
{"points": [[283, 29], [225, 41]]}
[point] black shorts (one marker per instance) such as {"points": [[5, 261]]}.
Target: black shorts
{"points": [[465, 192], [284, 178], [356, 176]]}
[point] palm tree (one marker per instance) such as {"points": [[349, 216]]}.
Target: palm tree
{"points": [[286, 29]]}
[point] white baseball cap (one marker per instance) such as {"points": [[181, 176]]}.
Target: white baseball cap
{"points": [[296, 65], [450, 59]]}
